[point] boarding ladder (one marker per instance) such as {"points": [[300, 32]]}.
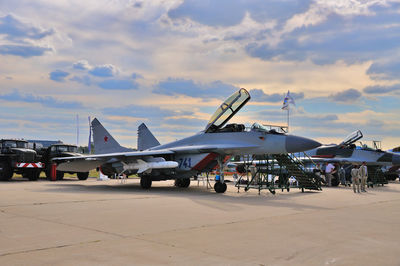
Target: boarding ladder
{"points": [[259, 177], [294, 166]]}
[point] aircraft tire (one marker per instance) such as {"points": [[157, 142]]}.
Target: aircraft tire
{"points": [[7, 172], [82, 175], [178, 182], [60, 175], [145, 182], [185, 183], [220, 187]]}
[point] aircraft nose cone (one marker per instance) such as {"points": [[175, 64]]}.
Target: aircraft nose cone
{"points": [[396, 159], [298, 144]]}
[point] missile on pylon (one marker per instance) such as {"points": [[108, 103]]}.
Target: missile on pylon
{"points": [[146, 167]]}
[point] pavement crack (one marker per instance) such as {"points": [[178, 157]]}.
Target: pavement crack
{"points": [[47, 248], [75, 201], [69, 225]]}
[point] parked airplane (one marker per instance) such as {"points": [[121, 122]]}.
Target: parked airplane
{"points": [[190, 156], [348, 153]]}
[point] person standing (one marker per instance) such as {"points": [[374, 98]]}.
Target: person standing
{"points": [[355, 179], [363, 173], [342, 175], [328, 174]]}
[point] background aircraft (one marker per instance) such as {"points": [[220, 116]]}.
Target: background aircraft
{"points": [[347, 152], [190, 156]]}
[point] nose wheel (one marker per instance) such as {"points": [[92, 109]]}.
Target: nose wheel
{"points": [[220, 187]]}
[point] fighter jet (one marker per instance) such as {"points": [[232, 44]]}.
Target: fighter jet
{"points": [[182, 159], [347, 152]]}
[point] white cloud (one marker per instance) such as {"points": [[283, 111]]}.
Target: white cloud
{"points": [[125, 36], [82, 65]]}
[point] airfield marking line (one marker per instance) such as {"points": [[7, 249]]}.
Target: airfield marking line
{"points": [[47, 248], [73, 201], [66, 224]]}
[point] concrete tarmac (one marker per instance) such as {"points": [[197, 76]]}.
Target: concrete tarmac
{"points": [[108, 223]]}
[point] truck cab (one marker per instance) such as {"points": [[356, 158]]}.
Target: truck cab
{"points": [[60, 150], [16, 157]]}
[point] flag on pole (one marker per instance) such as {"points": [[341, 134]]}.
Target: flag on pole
{"points": [[77, 130], [287, 101]]}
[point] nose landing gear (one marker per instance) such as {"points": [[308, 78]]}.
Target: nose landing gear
{"points": [[220, 186]]}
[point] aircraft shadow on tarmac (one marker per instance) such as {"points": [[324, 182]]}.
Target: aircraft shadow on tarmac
{"points": [[198, 194]]}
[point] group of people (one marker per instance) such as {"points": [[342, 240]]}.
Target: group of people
{"points": [[359, 175]]}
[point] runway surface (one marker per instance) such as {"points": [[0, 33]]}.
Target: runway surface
{"points": [[108, 223]]}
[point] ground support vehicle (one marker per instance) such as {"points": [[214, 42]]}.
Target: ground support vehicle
{"points": [[56, 151], [16, 157]]}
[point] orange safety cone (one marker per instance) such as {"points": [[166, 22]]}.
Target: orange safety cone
{"points": [[53, 172]]}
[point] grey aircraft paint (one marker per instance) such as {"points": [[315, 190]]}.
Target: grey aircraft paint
{"points": [[348, 152], [194, 154]]}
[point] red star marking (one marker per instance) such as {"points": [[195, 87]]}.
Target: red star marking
{"points": [[105, 138]]}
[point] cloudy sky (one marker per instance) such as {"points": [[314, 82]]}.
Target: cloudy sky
{"points": [[170, 63]]}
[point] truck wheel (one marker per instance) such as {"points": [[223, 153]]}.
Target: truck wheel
{"points": [[82, 175], [60, 175], [33, 175], [48, 172], [7, 172]]}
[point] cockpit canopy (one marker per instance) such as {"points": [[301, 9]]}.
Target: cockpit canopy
{"points": [[227, 110], [353, 137]]}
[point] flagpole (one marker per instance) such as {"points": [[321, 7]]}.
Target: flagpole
{"points": [[77, 130]]}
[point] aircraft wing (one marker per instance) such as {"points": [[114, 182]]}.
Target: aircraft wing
{"points": [[86, 163]]}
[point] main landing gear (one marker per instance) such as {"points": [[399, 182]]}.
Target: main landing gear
{"points": [[182, 182], [145, 182]]}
